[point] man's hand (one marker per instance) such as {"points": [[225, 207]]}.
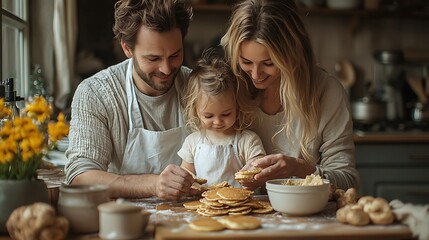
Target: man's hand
{"points": [[173, 183]]}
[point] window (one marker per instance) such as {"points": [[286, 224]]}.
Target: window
{"points": [[14, 48]]}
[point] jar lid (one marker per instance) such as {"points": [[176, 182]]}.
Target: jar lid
{"points": [[119, 206]]}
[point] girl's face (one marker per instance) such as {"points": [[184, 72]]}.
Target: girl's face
{"points": [[218, 113], [256, 62]]}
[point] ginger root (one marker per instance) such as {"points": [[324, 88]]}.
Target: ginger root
{"points": [[353, 214], [379, 211], [37, 221], [364, 211], [349, 197]]}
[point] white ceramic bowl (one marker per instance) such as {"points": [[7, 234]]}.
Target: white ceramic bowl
{"points": [[62, 145], [297, 200]]}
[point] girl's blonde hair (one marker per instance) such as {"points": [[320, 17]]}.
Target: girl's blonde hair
{"points": [[277, 25], [213, 76]]}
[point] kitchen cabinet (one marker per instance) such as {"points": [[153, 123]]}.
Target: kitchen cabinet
{"points": [[394, 170]]}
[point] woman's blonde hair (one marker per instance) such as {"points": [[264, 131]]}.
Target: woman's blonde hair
{"points": [[213, 76], [277, 25]]}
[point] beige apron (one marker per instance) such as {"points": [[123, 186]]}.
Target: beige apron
{"points": [[217, 163], [148, 151]]}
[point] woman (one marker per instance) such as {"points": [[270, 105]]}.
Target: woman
{"points": [[304, 116]]}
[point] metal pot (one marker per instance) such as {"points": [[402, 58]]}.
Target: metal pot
{"points": [[368, 110], [389, 56], [420, 112]]}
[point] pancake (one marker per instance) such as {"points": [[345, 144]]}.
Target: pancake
{"points": [[240, 222], [192, 205], [236, 194], [206, 224]]}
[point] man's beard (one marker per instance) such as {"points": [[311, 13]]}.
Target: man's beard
{"points": [[162, 87]]}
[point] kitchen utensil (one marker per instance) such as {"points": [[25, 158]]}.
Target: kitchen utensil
{"points": [[346, 73], [297, 200], [417, 87], [192, 174], [420, 113], [368, 110], [122, 220], [78, 203], [389, 56]]}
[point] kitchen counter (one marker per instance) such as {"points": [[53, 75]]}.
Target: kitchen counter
{"points": [[391, 137]]}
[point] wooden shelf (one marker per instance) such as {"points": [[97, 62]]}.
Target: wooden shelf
{"points": [[365, 13], [322, 11]]}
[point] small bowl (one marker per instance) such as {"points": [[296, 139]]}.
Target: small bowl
{"points": [[62, 145], [297, 200]]}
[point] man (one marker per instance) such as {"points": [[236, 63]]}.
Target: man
{"points": [[126, 123]]}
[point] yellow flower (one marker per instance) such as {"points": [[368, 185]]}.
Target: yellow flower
{"points": [[6, 131], [39, 109], [58, 130], [31, 146], [7, 151], [24, 141], [4, 111]]}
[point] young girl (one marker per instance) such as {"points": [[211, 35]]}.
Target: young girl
{"points": [[219, 115]]}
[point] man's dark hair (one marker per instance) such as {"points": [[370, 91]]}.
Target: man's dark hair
{"points": [[157, 15]]}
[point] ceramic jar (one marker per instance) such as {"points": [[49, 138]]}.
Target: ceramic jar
{"points": [[122, 220], [78, 203]]}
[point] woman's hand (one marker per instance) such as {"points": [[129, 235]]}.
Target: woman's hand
{"points": [[273, 166]]}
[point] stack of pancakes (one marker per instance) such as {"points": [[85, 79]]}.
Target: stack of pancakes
{"points": [[228, 201]]}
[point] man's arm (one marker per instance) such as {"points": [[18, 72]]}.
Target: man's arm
{"points": [[172, 184]]}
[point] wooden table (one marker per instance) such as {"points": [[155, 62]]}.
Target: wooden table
{"points": [[171, 220]]}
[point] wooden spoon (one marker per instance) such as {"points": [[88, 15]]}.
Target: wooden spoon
{"points": [[417, 87], [197, 179]]}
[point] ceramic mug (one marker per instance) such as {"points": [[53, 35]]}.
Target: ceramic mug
{"points": [[78, 203], [122, 220]]}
